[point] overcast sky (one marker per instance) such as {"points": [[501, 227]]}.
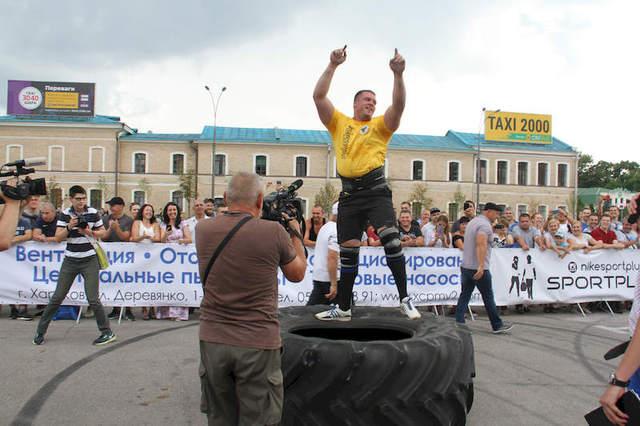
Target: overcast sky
{"points": [[576, 60]]}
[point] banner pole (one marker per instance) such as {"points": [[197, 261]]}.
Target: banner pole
{"points": [[471, 313], [79, 315], [581, 310], [609, 307]]}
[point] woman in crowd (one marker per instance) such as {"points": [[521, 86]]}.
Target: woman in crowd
{"points": [[145, 229], [578, 240], [442, 234], [458, 237], [556, 240], [173, 231], [501, 237], [537, 221]]}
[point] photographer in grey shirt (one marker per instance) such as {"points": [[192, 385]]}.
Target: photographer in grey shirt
{"points": [[475, 267]]}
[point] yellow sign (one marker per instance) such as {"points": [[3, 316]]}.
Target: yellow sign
{"points": [[61, 100], [516, 127]]}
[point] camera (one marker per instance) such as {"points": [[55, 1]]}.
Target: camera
{"points": [[82, 222], [282, 201], [27, 186]]}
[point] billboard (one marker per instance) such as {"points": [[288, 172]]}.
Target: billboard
{"points": [[50, 98], [516, 127]]}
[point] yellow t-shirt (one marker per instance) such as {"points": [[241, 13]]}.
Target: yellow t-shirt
{"points": [[360, 146]]}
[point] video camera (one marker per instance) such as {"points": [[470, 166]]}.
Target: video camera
{"points": [[282, 201], [27, 186]]}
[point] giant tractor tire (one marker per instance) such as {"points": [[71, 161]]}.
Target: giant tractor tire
{"points": [[378, 369]]}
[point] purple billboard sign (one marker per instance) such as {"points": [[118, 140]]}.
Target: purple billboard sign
{"points": [[50, 98]]}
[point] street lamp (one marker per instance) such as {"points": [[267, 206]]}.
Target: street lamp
{"points": [[214, 103]]}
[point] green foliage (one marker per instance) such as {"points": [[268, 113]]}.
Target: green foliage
{"points": [[624, 174], [326, 197], [188, 186], [419, 195]]}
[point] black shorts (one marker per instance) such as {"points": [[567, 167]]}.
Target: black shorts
{"points": [[358, 208]]}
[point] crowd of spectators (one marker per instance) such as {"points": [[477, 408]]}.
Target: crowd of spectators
{"points": [[600, 228], [140, 224]]}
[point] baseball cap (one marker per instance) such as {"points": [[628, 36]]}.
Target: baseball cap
{"points": [[334, 208], [492, 206], [434, 210], [115, 201]]}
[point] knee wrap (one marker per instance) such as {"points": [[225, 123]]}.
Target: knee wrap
{"points": [[390, 239], [349, 258]]}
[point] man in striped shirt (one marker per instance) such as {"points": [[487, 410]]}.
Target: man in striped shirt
{"points": [[77, 224]]}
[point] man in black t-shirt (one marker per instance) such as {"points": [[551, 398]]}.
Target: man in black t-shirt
{"points": [[410, 234], [118, 229], [44, 229]]}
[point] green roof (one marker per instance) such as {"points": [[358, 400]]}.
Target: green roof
{"points": [[98, 119], [451, 141]]}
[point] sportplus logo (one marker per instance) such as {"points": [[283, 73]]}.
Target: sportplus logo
{"points": [[573, 267]]}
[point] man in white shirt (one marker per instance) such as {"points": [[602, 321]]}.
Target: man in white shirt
{"points": [[199, 214], [325, 264], [429, 230]]}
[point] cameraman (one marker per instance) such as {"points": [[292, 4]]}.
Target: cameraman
{"points": [[8, 219], [239, 329], [79, 225]]}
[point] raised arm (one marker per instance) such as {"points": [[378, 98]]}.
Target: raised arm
{"points": [[323, 104], [394, 112]]}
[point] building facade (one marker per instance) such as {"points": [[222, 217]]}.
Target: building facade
{"points": [[109, 158]]}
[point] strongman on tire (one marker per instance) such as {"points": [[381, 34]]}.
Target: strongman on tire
{"points": [[360, 145]]}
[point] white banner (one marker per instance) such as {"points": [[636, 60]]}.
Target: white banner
{"points": [[167, 275]]}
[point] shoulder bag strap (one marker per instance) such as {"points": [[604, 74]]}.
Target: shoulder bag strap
{"points": [[221, 246]]}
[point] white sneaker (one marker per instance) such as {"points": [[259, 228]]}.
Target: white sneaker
{"points": [[334, 314], [407, 308]]}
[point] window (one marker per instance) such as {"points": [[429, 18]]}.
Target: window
{"points": [[386, 167], [139, 197], [483, 171], [335, 168], [96, 159], [417, 172], [177, 164], [543, 173], [14, 152], [260, 166], [523, 173], [502, 175], [55, 196], [453, 211], [56, 158], [178, 198], [139, 162], [95, 198], [563, 170], [301, 166], [542, 209], [454, 171], [521, 208], [303, 204], [220, 166]]}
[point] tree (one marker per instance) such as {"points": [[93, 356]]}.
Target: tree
{"points": [[54, 193], [419, 198], [145, 185], [624, 174], [188, 186], [459, 197], [326, 197], [103, 186]]}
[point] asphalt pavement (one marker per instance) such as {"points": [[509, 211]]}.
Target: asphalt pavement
{"points": [[548, 371]]}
